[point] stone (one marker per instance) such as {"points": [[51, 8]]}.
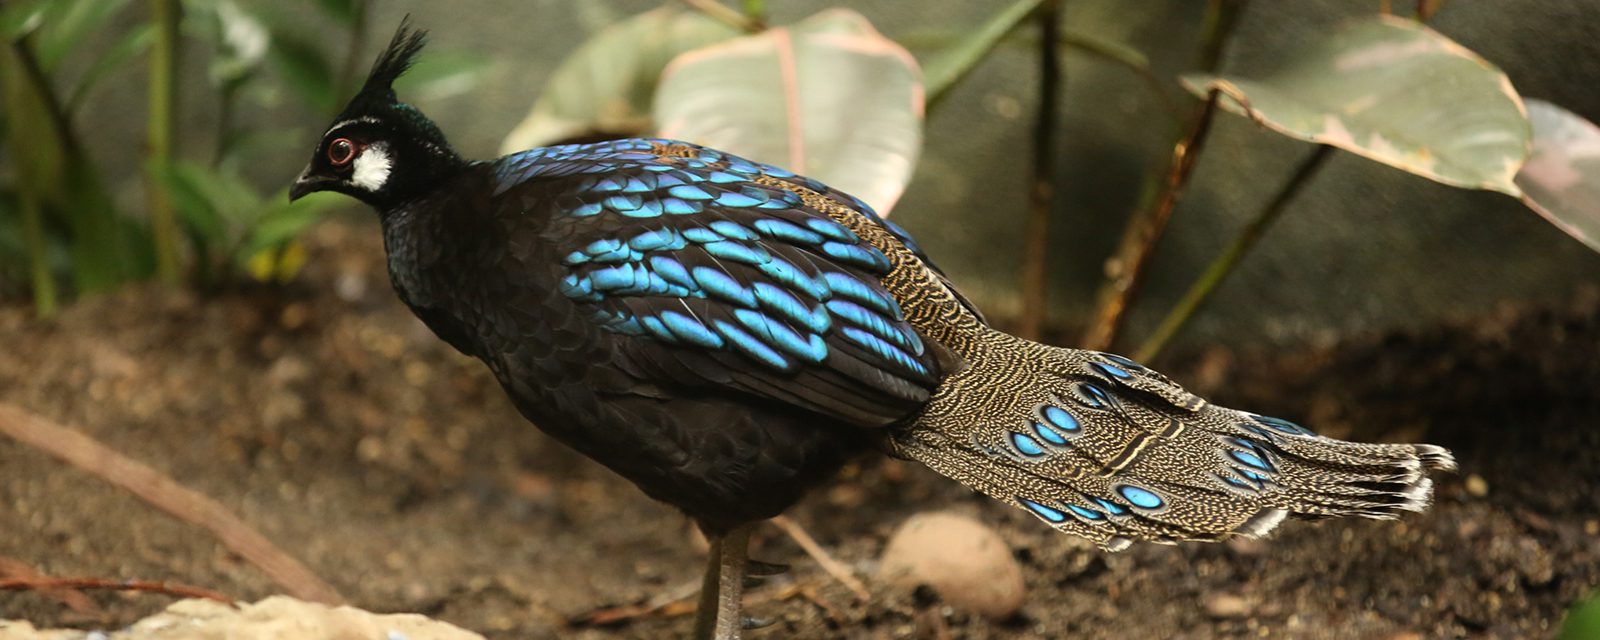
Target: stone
{"points": [[275, 618], [962, 560]]}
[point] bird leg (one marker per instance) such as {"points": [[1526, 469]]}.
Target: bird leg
{"points": [[723, 589]]}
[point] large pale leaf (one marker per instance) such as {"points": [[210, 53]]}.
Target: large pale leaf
{"points": [[1397, 92], [606, 85], [1561, 181], [828, 97]]}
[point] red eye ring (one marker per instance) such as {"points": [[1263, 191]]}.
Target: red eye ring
{"points": [[342, 151]]}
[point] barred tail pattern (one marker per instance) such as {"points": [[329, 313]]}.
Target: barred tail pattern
{"points": [[1099, 446]]}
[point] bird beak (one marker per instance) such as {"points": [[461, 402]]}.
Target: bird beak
{"points": [[306, 184]]}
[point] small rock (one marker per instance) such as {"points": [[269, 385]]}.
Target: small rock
{"points": [[270, 619], [1477, 487], [1227, 605], [962, 560]]}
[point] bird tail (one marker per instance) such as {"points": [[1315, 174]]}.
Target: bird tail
{"points": [[1099, 446]]}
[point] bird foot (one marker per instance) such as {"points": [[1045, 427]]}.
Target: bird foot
{"points": [[757, 623], [758, 569]]}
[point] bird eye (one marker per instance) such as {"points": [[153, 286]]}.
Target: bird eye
{"points": [[341, 151]]}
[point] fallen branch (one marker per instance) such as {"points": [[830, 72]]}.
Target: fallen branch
{"points": [[669, 604], [829, 564], [74, 585], [11, 568], [164, 493]]}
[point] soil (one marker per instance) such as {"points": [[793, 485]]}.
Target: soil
{"points": [[328, 418]]}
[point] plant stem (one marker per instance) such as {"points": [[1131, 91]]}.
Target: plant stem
{"points": [[1126, 269], [1223, 265], [44, 285], [160, 130], [717, 11], [1036, 241], [1140, 67], [41, 146], [755, 10], [1221, 17]]}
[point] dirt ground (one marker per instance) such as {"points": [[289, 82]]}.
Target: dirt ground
{"points": [[333, 422]]}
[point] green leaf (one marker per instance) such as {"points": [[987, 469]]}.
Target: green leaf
{"points": [[1583, 621], [131, 44], [106, 248], [948, 67], [443, 74], [1561, 180], [1397, 92], [306, 69], [284, 221], [69, 23], [20, 18], [606, 86], [343, 11], [828, 97]]}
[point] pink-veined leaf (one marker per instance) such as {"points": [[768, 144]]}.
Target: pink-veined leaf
{"points": [[829, 98], [606, 86], [1561, 180], [1397, 92]]}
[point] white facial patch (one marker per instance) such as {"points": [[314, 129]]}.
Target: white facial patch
{"points": [[372, 168]]}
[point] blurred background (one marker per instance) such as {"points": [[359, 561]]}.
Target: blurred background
{"points": [[274, 372], [1384, 249]]}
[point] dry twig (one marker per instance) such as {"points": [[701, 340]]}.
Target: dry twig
{"points": [[829, 564], [80, 584], [152, 486], [14, 569]]}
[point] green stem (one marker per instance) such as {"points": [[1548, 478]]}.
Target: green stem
{"points": [[44, 285], [718, 11], [1223, 265], [1126, 269], [160, 132], [1036, 245], [755, 10], [1141, 68], [1220, 19]]}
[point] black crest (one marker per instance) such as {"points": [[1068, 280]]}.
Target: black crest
{"points": [[391, 64], [395, 60]]}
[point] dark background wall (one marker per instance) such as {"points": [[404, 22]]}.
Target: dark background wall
{"points": [[1364, 247]]}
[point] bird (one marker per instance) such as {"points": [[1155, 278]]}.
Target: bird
{"points": [[726, 334]]}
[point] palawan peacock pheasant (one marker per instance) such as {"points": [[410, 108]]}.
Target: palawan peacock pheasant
{"points": [[725, 334]]}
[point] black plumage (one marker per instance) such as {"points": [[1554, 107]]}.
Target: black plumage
{"points": [[725, 334]]}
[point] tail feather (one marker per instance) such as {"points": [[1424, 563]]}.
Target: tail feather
{"points": [[1099, 446]]}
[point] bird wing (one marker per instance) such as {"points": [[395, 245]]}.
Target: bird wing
{"points": [[711, 272]]}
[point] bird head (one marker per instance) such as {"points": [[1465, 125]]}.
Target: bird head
{"points": [[380, 150]]}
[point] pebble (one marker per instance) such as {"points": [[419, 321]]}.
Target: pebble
{"points": [[1227, 605], [961, 559], [274, 618], [1477, 487]]}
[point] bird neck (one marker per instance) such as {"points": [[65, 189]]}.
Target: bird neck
{"points": [[422, 167]]}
